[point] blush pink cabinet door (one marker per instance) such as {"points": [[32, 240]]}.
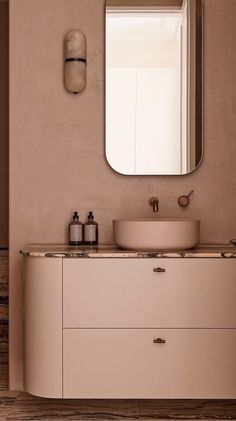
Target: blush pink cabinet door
{"points": [[125, 363], [43, 326], [128, 293]]}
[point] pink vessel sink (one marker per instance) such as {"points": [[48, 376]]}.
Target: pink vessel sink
{"points": [[156, 234]]}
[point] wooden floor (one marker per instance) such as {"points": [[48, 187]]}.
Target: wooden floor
{"points": [[21, 406], [3, 322], [17, 406]]}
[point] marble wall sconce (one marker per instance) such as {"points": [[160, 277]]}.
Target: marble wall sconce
{"points": [[75, 62]]}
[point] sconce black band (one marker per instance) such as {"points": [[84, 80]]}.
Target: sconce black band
{"points": [[83, 60]]}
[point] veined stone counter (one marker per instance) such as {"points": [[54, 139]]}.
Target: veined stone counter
{"points": [[110, 251]]}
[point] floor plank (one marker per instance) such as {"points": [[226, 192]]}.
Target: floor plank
{"points": [[6, 403], [27, 407], [184, 409], [3, 324]]}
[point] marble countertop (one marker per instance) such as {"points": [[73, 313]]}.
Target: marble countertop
{"points": [[111, 251]]}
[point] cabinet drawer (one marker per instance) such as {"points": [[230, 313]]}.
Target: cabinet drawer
{"points": [[125, 363], [127, 293]]}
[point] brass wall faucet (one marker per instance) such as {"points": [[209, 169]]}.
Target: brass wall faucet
{"points": [[154, 202]]}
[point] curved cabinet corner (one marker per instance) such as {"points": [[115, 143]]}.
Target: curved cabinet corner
{"points": [[43, 326]]}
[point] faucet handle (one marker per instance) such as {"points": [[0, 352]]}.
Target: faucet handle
{"points": [[184, 200]]}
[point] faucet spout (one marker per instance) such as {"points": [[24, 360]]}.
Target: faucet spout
{"points": [[154, 202]]}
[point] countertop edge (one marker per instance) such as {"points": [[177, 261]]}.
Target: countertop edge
{"points": [[119, 253]]}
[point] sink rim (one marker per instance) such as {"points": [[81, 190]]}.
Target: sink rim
{"points": [[156, 233], [156, 220]]}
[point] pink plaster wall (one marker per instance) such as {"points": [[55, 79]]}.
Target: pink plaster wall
{"points": [[4, 93], [57, 159]]}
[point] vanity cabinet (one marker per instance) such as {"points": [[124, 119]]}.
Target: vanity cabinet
{"points": [[130, 328]]}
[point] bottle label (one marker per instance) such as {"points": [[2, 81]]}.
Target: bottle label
{"points": [[90, 233], [76, 233]]}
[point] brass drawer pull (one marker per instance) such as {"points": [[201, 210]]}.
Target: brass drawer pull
{"points": [[159, 341], [159, 270]]}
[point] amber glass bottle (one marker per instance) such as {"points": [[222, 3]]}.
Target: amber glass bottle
{"points": [[91, 231], [75, 231]]}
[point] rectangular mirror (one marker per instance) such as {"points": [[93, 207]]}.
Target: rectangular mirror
{"points": [[154, 86]]}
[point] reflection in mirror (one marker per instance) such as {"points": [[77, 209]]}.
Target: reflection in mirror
{"points": [[153, 86]]}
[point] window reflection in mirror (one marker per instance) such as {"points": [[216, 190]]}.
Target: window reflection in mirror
{"points": [[153, 86]]}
